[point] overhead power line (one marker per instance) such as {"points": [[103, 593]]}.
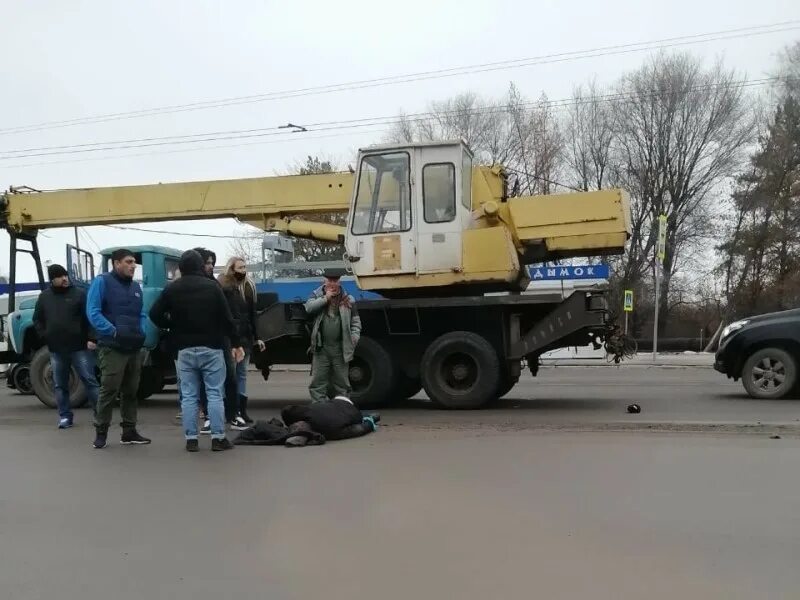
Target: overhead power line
{"points": [[182, 150], [382, 120], [91, 147], [180, 233], [420, 76]]}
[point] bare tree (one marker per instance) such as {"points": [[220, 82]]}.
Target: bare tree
{"points": [[540, 142], [521, 135], [589, 138], [247, 240], [246, 244], [313, 250], [680, 131]]}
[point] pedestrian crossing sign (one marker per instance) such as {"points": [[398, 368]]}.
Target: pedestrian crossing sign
{"points": [[628, 305]]}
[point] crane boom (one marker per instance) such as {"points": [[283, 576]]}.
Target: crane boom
{"points": [[254, 201]]}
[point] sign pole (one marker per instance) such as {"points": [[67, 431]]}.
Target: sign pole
{"points": [[627, 306], [660, 252], [655, 320]]}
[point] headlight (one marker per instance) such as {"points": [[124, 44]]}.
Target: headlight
{"points": [[735, 326]]}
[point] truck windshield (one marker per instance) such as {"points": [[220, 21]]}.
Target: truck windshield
{"points": [[383, 198]]}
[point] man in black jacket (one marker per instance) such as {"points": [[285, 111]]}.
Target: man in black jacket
{"points": [[195, 312], [231, 385], [60, 319]]}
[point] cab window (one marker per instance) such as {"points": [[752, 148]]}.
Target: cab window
{"points": [[171, 268], [439, 192], [383, 197], [466, 181]]}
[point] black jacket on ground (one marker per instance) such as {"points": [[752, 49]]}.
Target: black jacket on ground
{"points": [[60, 319], [275, 433], [244, 313], [327, 418], [194, 310]]}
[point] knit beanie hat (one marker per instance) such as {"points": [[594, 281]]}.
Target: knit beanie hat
{"points": [[55, 271]]}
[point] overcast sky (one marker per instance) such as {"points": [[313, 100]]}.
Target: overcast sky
{"points": [[67, 60]]}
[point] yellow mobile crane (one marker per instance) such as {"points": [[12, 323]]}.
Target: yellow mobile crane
{"points": [[429, 231]]}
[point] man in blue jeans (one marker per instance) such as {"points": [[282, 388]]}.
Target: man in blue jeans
{"points": [[198, 318], [60, 319]]}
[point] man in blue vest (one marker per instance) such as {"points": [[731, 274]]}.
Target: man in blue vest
{"points": [[115, 310]]}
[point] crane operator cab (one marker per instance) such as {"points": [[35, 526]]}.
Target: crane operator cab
{"points": [[411, 207]]}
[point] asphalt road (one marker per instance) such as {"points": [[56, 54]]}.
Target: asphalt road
{"points": [[483, 504]]}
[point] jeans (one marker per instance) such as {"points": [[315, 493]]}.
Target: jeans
{"points": [[201, 366], [178, 383], [231, 395], [61, 363], [241, 374]]}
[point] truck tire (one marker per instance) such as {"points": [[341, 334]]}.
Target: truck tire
{"points": [[770, 374], [21, 378], [460, 370], [406, 387], [371, 374], [42, 382]]}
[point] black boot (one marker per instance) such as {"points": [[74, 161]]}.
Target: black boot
{"points": [[221, 445], [243, 409], [133, 437], [101, 436]]}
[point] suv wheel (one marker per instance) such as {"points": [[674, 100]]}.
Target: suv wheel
{"points": [[769, 374]]}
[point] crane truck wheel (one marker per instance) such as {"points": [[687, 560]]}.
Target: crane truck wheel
{"points": [[371, 374], [42, 382], [21, 378], [460, 370]]}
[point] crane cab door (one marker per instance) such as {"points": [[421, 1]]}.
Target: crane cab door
{"points": [[381, 239], [442, 203]]}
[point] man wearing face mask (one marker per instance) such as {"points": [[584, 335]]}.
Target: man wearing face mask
{"points": [[335, 332]]}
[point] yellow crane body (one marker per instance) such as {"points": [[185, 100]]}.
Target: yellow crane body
{"points": [[421, 216]]}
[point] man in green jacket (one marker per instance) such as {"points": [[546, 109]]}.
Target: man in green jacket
{"points": [[334, 334]]}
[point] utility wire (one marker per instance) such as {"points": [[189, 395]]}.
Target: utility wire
{"points": [[182, 150], [423, 75], [87, 236], [180, 233], [353, 123], [390, 119], [540, 178]]}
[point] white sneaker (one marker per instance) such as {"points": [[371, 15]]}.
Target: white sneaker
{"points": [[239, 424], [206, 428]]}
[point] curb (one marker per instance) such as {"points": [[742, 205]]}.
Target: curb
{"points": [[554, 364]]}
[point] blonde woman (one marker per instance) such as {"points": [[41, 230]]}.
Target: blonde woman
{"points": [[240, 291]]}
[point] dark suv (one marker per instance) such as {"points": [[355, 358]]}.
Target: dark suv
{"points": [[763, 351]]}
